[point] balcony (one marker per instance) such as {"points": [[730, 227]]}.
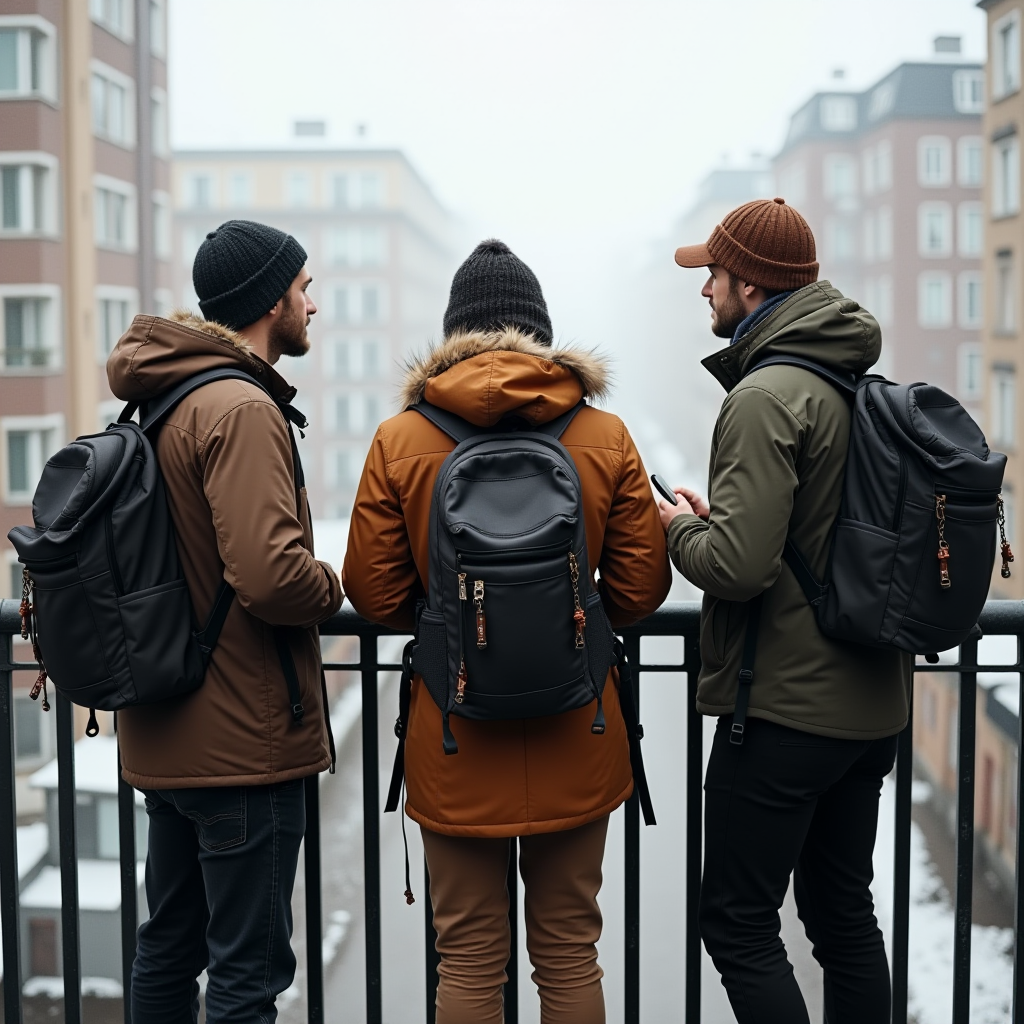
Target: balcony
{"points": [[1000, 618]]}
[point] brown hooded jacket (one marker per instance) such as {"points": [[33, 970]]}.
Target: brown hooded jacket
{"points": [[226, 460], [533, 775]]}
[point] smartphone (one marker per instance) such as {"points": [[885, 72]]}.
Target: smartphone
{"points": [[666, 492]]}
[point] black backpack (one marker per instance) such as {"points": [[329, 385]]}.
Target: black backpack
{"points": [[913, 547], [512, 626], [105, 602]]}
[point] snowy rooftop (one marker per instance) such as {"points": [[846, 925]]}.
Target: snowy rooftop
{"points": [[95, 768], [99, 886]]}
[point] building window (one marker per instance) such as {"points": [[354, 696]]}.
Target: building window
{"points": [[970, 230], [356, 247], [162, 242], [28, 194], [113, 105], [1005, 55], [27, 64], [1004, 411], [359, 304], [158, 28], [114, 216], [298, 189], [28, 441], [371, 311], [371, 190], [339, 191], [883, 233], [882, 100], [240, 189], [969, 91], [934, 161], [840, 176], [934, 230], [969, 369], [113, 15], [876, 167], [200, 191], [793, 183], [838, 113], [158, 122], [30, 338], [115, 308], [1006, 296], [934, 300], [353, 359], [970, 299], [968, 161], [840, 241], [1006, 177]]}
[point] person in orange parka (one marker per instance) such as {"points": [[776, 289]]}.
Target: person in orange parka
{"points": [[549, 781]]}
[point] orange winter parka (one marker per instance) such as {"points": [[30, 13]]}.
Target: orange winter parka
{"points": [[531, 775]]}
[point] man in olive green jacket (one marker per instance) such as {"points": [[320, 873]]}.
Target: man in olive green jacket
{"points": [[795, 789]]}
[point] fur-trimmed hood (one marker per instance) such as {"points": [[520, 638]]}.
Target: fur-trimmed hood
{"points": [[483, 376], [156, 353]]}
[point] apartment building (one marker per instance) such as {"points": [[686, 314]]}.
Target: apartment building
{"points": [[381, 256], [890, 180], [84, 239], [1003, 259]]}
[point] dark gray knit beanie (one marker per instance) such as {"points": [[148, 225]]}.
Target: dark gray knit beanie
{"points": [[242, 269], [494, 289]]}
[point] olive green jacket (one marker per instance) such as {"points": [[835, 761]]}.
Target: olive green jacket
{"points": [[777, 461]]}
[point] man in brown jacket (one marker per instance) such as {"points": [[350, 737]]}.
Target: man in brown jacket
{"points": [[550, 781], [222, 769]]}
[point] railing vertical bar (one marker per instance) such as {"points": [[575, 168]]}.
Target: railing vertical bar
{"points": [[67, 830], [10, 925], [511, 987], [1017, 1013], [694, 828], [432, 956], [314, 909], [371, 827], [965, 832], [129, 884], [901, 869], [632, 863]]}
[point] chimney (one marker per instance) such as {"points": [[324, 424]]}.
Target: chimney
{"points": [[947, 44]]}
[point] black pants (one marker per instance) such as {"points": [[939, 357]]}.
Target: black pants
{"points": [[219, 879], [788, 802]]}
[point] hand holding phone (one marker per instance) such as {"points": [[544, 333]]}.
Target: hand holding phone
{"points": [[663, 488]]}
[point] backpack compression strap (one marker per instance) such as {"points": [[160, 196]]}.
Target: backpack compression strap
{"points": [[634, 733], [846, 383]]}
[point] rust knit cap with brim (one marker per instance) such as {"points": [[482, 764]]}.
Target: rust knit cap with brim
{"points": [[764, 243]]}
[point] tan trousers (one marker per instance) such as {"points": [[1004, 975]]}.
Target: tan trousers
{"points": [[561, 874]]}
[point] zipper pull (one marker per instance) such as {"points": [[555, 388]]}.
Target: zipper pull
{"points": [[25, 610], [481, 619], [943, 555], [462, 586], [579, 616], [1004, 546], [460, 692]]}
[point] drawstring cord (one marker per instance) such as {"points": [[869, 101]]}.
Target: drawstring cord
{"points": [[409, 898]]}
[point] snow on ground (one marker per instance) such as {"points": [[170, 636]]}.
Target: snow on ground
{"points": [[931, 932]]}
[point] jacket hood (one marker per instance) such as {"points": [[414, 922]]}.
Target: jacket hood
{"points": [[816, 322], [156, 353], [485, 375]]}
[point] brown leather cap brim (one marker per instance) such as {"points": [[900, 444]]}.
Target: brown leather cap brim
{"points": [[694, 256]]}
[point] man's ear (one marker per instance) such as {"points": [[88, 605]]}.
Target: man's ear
{"points": [[749, 289]]}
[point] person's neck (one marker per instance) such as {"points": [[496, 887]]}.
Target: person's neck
{"points": [[258, 338]]}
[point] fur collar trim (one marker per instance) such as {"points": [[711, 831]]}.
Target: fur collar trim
{"points": [[187, 318], [591, 368]]}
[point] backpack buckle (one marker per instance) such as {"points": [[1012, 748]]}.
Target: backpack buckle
{"points": [[736, 734], [298, 711], [746, 676]]}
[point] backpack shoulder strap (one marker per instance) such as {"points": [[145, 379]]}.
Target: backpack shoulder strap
{"points": [[557, 427], [455, 427], [156, 411], [844, 382]]}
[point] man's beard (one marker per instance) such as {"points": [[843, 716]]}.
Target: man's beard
{"points": [[288, 335], [730, 314]]}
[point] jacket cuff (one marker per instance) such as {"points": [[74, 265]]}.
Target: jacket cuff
{"points": [[678, 531]]}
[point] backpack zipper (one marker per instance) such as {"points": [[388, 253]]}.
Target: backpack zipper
{"points": [[579, 616], [943, 555], [115, 572], [460, 689], [481, 618], [1004, 546]]}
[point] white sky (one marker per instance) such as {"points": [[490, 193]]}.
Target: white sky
{"points": [[573, 129]]}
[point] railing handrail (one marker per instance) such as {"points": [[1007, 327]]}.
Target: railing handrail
{"points": [[679, 618]]}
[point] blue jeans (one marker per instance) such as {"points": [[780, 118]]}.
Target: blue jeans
{"points": [[219, 879]]}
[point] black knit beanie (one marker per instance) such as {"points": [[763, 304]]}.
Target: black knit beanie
{"points": [[242, 269], [494, 289]]}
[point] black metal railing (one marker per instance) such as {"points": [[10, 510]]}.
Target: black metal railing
{"points": [[674, 619]]}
